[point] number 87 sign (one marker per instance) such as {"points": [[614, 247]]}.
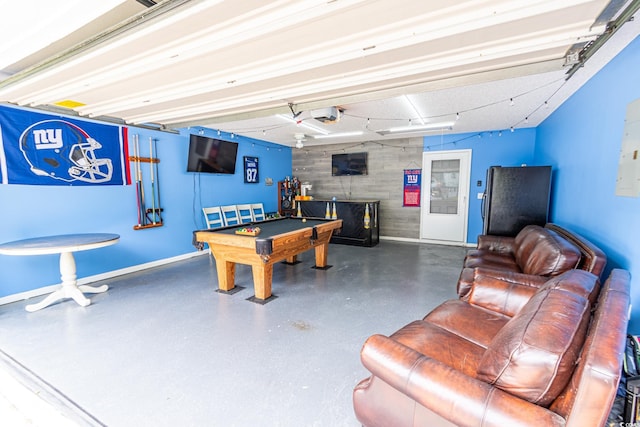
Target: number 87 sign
{"points": [[251, 170]]}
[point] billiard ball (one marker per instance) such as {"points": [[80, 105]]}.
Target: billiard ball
{"points": [[304, 219]]}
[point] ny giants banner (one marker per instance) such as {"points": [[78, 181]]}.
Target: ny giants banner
{"points": [[411, 195], [43, 149]]}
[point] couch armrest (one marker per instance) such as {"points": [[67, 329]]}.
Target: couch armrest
{"points": [[505, 292], [501, 244], [461, 399]]}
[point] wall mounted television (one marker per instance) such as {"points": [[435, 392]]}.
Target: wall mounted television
{"points": [[349, 164], [211, 155]]}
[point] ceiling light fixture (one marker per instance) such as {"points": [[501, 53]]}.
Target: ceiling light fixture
{"points": [[299, 140], [338, 135], [419, 128], [303, 124]]}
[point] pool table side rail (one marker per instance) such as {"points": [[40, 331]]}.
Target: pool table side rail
{"points": [[211, 235]]}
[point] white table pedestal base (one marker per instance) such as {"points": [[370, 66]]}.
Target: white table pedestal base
{"points": [[69, 287]]}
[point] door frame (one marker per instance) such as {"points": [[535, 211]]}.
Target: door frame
{"points": [[426, 190]]}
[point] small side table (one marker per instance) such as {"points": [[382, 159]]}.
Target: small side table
{"points": [[65, 245]]}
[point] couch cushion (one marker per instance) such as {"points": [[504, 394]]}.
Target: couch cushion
{"points": [[442, 345], [534, 354], [470, 322], [542, 252], [489, 259]]}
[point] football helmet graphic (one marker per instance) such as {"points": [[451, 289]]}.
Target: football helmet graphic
{"points": [[62, 150]]}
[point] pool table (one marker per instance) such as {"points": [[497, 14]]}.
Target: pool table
{"points": [[280, 239]]}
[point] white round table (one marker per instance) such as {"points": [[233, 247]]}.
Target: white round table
{"points": [[65, 245]]}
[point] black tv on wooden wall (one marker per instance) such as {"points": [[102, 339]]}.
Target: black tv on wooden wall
{"points": [[349, 164]]}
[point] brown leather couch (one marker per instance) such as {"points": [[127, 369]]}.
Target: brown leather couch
{"points": [[531, 257], [548, 356]]}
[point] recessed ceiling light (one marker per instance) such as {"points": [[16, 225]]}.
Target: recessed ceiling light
{"points": [[302, 124], [418, 128]]}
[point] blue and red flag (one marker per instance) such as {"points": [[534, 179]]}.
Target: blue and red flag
{"points": [[45, 149]]}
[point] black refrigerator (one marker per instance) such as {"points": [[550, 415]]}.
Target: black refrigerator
{"points": [[514, 198]]}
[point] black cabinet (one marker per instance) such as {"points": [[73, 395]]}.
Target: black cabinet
{"points": [[360, 219], [287, 192]]}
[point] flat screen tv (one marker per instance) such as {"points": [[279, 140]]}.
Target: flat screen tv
{"points": [[349, 164], [211, 155]]}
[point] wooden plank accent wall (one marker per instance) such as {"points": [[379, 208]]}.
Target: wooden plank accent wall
{"points": [[387, 161]]}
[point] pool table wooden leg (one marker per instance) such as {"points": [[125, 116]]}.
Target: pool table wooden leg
{"points": [[262, 277], [292, 259], [322, 255], [226, 274]]}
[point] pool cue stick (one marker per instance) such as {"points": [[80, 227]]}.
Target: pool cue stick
{"points": [[142, 206], [153, 186], [135, 172], [155, 146]]}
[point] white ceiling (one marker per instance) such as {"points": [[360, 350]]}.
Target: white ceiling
{"points": [[237, 66]]}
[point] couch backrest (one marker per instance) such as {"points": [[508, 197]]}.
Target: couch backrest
{"points": [[593, 258], [533, 356], [543, 252], [589, 395], [526, 240]]}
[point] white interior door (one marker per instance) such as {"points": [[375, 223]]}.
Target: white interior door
{"points": [[445, 195]]}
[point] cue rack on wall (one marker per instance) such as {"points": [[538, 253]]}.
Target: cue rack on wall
{"points": [[148, 217]]}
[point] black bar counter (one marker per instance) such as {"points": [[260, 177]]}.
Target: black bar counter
{"points": [[360, 219]]}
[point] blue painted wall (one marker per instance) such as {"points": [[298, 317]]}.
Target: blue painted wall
{"points": [[33, 211], [491, 148], [582, 141]]}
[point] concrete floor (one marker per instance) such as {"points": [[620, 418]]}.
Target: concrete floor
{"points": [[162, 348]]}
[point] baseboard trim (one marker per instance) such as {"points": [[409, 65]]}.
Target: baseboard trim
{"points": [[400, 239], [433, 242], [97, 277]]}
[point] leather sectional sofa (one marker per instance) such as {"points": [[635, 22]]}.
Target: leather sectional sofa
{"points": [[531, 257], [505, 354]]}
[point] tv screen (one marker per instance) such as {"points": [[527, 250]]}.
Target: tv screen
{"points": [[211, 155], [349, 164]]}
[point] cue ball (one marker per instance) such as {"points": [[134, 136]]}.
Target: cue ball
{"points": [[304, 219]]}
